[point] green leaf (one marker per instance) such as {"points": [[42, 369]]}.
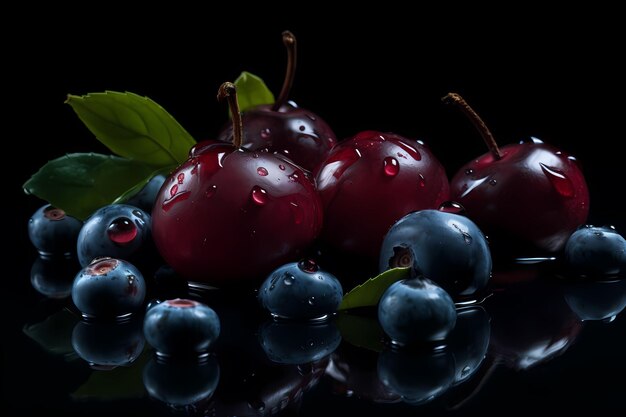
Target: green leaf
{"points": [[54, 334], [368, 293], [134, 127], [252, 91], [80, 183], [139, 186], [363, 332]]}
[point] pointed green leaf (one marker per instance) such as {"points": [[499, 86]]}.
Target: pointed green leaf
{"points": [[368, 293], [139, 186], [252, 91], [80, 183], [134, 127]]}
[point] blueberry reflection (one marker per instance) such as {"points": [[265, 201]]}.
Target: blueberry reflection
{"points": [[597, 300], [469, 342], [296, 343], [53, 277], [531, 323], [108, 344], [417, 375], [181, 383]]}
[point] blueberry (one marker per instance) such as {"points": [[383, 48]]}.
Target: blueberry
{"points": [[469, 341], [146, 197], [108, 288], [300, 290], [293, 343], [181, 327], [596, 300], [416, 376], [596, 251], [117, 230], [108, 344], [53, 232], [53, 277], [181, 383], [416, 311], [446, 248]]}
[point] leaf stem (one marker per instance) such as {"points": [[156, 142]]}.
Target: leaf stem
{"points": [[289, 40], [479, 124], [228, 91]]}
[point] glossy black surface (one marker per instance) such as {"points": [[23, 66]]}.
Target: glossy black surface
{"points": [[539, 354]]}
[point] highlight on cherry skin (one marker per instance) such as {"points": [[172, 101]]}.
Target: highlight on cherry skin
{"points": [[181, 327], [226, 204], [283, 127], [117, 230], [53, 232], [300, 291], [444, 247], [527, 192], [374, 179], [108, 288]]}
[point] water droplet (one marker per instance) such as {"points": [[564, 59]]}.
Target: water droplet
{"points": [[421, 181], [265, 133], [259, 195], [451, 207], [308, 265], [181, 177], [289, 279], [261, 171], [255, 155], [493, 181], [310, 116], [321, 278], [122, 230], [469, 171], [559, 181], [466, 236], [311, 301], [572, 158], [302, 128], [138, 213], [169, 203], [293, 177], [281, 167], [210, 192], [391, 166], [173, 190], [257, 405], [465, 371], [310, 342], [298, 216], [599, 234]]}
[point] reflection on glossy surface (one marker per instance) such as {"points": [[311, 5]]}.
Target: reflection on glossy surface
{"points": [[107, 344], [295, 343], [598, 300], [53, 277], [418, 376], [181, 383], [531, 323], [469, 341], [54, 334]]}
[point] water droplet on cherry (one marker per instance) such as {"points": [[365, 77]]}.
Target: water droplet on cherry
{"points": [[469, 171], [122, 230], [559, 181], [411, 150], [261, 171], [493, 181], [258, 195], [391, 166], [265, 133], [281, 167], [173, 190], [210, 192], [421, 181], [452, 207], [181, 177]]}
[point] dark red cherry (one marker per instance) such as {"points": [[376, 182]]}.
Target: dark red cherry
{"points": [[284, 128], [228, 215], [530, 192], [370, 181]]}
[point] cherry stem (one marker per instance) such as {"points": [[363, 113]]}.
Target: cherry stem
{"points": [[289, 40], [456, 99], [228, 91]]}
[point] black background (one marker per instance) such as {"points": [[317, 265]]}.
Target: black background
{"points": [[558, 77]]}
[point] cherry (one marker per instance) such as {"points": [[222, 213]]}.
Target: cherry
{"points": [[284, 128], [370, 181], [529, 191], [228, 215]]}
